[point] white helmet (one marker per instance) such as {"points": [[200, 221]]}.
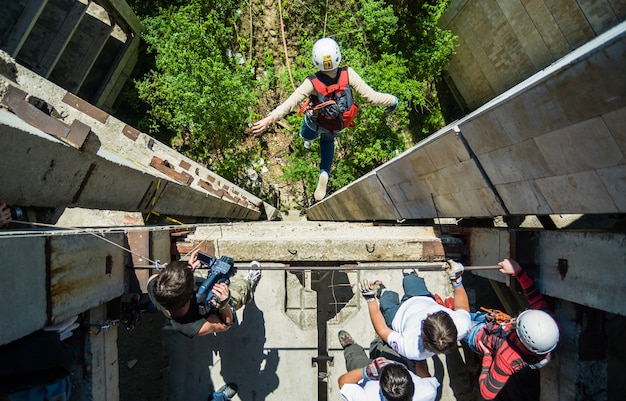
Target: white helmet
{"points": [[537, 330], [326, 54]]}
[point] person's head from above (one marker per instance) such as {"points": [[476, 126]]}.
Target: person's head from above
{"points": [[396, 383], [326, 55], [174, 285], [537, 330], [439, 334]]}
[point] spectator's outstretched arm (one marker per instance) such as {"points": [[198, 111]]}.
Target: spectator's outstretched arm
{"points": [[532, 293], [461, 301], [455, 271], [378, 321]]}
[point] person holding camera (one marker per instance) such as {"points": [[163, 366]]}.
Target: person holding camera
{"points": [[173, 292]]}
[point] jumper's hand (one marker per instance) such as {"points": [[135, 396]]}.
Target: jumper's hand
{"points": [[261, 125], [393, 107]]}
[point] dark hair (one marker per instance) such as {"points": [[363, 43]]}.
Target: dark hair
{"points": [[439, 333], [174, 286], [396, 383]]}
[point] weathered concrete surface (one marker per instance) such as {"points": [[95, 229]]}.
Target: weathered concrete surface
{"points": [[538, 149], [500, 43], [23, 296], [174, 185], [270, 356], [302, 242]]}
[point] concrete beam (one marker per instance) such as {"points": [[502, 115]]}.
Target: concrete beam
{"points": [[537, 149], [309, 242]]}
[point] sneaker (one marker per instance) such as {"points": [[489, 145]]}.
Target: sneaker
{"points": [[320, 191], [229, 390], [345, 339], [253, 276], [307, 143]]}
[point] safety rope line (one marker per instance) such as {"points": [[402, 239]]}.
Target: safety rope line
{"points": [[282, 30], [153, 200], [156, 263]]}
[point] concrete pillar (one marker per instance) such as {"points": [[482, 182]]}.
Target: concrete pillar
{"points": [[62, 37], [580, 370], [23, 25]]}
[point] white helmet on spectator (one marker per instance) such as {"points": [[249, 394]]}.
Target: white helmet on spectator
{"points": [[537, 330], [326, 54]]}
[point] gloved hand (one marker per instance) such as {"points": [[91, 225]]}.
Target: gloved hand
{"points": [[393, 107], [368, 290], [455, 272], [373, 370]]}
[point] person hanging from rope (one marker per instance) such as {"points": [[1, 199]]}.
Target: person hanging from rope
{"points": [[417, 327], [173, 292], [510, 345], [330, 108]]}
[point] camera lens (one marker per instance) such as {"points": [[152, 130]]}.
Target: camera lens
{"points": [[16, 213]]}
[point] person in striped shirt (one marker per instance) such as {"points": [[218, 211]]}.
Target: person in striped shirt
{"points": [[508, 347]]}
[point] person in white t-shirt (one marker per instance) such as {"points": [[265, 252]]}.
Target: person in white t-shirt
{"points": [[380, 379], [417, 327]]}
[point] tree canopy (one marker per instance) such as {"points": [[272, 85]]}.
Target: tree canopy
{"points": [[218, 65]]}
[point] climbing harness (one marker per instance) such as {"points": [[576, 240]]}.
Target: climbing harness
{"points": [[333, 107], [497, 316]]}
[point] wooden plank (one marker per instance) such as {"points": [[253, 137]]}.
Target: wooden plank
{"points": [[571, 21], [600, 15], [547, 28]]}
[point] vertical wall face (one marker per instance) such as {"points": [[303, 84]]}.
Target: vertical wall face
{"points": [[87, 48], [553, 144], [502, 42]]}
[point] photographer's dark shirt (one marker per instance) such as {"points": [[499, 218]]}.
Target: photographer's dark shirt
{"points": [[191, 323]]}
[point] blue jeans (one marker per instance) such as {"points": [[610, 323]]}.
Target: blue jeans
{"points": [[479, 319], [413, 285], [219, 397], [327, 144]]}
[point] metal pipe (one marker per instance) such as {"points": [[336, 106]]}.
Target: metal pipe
{"points": [[420, 266]]}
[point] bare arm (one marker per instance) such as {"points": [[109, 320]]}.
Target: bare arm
{"points": [[217, 324], [378, 321], [460, 299], [351, 377], [421, 369], [223, 321]]}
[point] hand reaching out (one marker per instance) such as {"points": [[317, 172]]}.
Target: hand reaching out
{"points": [[509, 266], [261, 125]]}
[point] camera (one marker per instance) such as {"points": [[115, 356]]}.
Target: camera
{"points": [[16, 213]]}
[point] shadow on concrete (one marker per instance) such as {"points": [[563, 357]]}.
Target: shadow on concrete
{"points": [[245, 361], [463, 373]]}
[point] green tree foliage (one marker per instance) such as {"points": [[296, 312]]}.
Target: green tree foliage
{"points": [[202, 94], [199, 89], [395, 51]]}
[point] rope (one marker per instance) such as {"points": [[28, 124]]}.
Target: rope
{"points": [[282, 31], [496, 315], [153, 200], [155, 262]]}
